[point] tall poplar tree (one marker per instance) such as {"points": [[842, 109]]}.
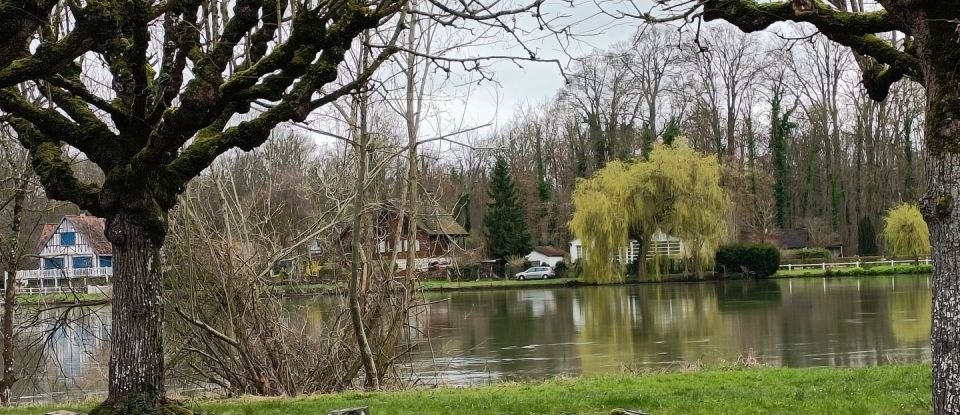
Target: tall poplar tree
{"points": [[504, 224], [780, 128]]}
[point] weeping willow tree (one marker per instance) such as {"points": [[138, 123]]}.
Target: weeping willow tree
{"points": [[905, 232], [675, 190]]}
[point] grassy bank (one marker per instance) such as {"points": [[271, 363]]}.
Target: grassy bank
{"points": [[60, 298], [883, 390], [437, 285], [440, 285], [857, 271], [443, 285]]}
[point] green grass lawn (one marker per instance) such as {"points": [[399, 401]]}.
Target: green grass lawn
{"points": [[61, 298], [901, 269], [439, 285], [883, 390]]}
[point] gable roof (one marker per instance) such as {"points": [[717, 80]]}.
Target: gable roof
{"points": [[550, 251], [45, 234], [91, 227], [435, 221], [794, 239]]}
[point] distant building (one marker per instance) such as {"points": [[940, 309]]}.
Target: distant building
{"points": [[661, 245], [791, 239], [73, 253], [546, 255], [794, 239], [439, 237]]}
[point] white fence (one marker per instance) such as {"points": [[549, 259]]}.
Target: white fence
{"points": [[54, 281], [828, 265], [61, 274]]}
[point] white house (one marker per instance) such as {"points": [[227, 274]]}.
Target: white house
{"points": [[73, 253], [661, 244], [548, 255]]}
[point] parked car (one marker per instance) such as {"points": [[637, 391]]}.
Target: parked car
{"points": [[535, 273]]}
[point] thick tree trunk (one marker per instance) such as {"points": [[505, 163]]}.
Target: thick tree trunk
{"points": [[943, 182], [944, 175], [136, 382], [939, 53]]}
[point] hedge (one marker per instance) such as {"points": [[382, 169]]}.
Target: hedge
{"points": [[760, 260], [813, 253]]}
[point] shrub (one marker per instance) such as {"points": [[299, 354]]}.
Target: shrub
{"points": [[470, 272], [901, 269], [560, 268], [576, 269], [845, 272], [760, 260], [813, 253]]}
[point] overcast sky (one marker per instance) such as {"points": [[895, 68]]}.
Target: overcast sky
{"points": [[537, 82]]}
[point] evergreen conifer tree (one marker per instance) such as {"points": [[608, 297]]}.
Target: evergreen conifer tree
{"points": [[504, 223], [778, 147], [867, 237]]}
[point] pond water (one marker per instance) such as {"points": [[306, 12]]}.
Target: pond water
{"points": [[473, 337], [486, 336]]}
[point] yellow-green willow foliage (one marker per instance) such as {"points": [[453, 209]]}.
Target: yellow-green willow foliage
{"points": [[905, 232], [676, 190]]}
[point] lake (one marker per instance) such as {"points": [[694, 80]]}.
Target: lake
{"points": [[486, 336], [475, 337]]}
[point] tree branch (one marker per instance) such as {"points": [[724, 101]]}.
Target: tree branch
{"points": [[854, 30], [54, 172]]}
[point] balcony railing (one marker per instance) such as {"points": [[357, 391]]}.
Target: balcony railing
{"points": [[61, 274]]}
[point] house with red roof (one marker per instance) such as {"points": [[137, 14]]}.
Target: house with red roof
{"points": [[73, 253]]}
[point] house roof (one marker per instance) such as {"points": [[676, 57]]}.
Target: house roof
{"points": [[431, 218], [45, 233], [550, 251], [794, 239], [435, 221], [91, 227]]}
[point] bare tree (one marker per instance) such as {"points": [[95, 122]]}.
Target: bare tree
{"points": [[929, 56], [151, 128]]}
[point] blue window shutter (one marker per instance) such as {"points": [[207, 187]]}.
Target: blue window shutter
{"points": [[68, 238], [83, 262], [53, 263], [106, 261]]}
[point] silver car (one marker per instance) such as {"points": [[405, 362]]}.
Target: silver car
{"points": [[535, 273]]}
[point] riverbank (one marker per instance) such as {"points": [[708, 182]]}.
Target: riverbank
{"points": [[438, 285], [60, 299], [879, 390], [857, 271], [465, 285]]}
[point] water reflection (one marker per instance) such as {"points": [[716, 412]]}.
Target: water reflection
{"points": [[491, 335], [484, 336], [62, 354]]}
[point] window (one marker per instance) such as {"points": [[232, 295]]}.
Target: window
{"points": [[106, 261], [68, 238], [83, 262], [53, 263], [382, 247], [416, 245]]}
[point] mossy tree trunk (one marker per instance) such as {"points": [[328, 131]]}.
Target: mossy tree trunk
{"points": [[136, 374], [939, 53]]}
